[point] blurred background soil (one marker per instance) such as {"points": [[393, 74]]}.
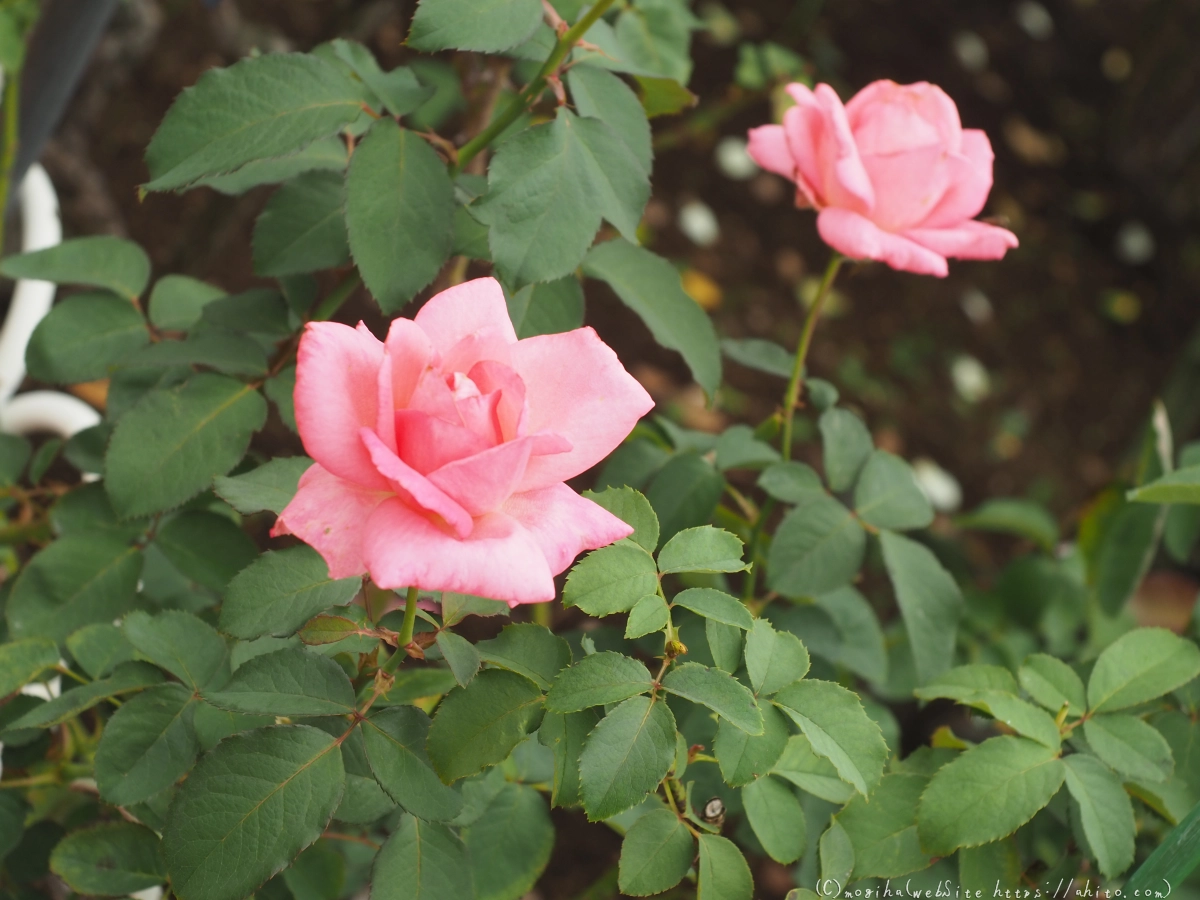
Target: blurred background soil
{"points": [[1030, 376]]}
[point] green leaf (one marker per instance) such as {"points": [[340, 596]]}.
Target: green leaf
{"points": [[847, 445], [547, 308], [655, 37], [456, 607], [815, 774], [611, 580], [170, 446], [929, 600], [818, 547], [207, 547], [1130, 746], [477, 726], [724, 644], [280, 388], [760, 355], [327, 154], [83, 336], [1124, 553], [397, 91], [75, 581], [564, 734], [963, 682], [774, 659], [685, 492], [837, 726], [288, 682], [302, 228], [249, 808], [716, 605], [702, 549], [632, 508], [509, 844], [656, 853], [1180, 486], [395, 745], [980, 868], [421, 861], [604, 96], [626, 756], [399, 213], [1171, 862], [14, 455], [22, 661], [1013, 515], [663, 96], [180, 643], [110, 859], [744, 757], [318, 873], [529, 650], [460, 655], [487, 27], [270, 486], [738, 448], [887, 494], [991, 689], [132, 676], [219, 349], [280, 591], [722, 873], [548, 188], [1141, 665], [177, 301], [99, 647], [861, 649], [777, 818], [719, 691], [147, 745], [1011, 777], [1105, 811], [648, 615], [259, 108], [791, 482], [651, 287], [1051, 682], [598, 680], [112, 263], [883, 831]]}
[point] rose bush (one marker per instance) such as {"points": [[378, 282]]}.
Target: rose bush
{"points": [[441, 452], [893, 174]]}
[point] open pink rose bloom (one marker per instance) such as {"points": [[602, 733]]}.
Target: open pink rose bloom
{"points": [[441, 452], [893, 174]]}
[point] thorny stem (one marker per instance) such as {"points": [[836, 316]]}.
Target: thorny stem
{"points": [[532, 91], [791, 398], [8, 154]]}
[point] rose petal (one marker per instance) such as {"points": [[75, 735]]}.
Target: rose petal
{"points": [[411, 354], [490, 376], [860, 238], [330, 515], [464, 309], [500, 559], [385, 416], [888, 118], [481, 483], [967, 240], [804, 128], [970, 180], [435, 397], [487, 343], [336, 395], [577, 388], [907, 185], [479, 416], [410, 483], [844, 180], [564, 524], [768, 146], [427, 443]]}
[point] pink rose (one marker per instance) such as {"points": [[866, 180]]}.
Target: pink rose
{"points": [[894, 175], [441, 453]]}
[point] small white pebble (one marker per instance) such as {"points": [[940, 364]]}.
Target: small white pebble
{"points": [[1134, 244], [942, 488], [976, 306], [971, 51], [150, 893], [971, 379], [733, 160], [699, 223], [1035, 20]]}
